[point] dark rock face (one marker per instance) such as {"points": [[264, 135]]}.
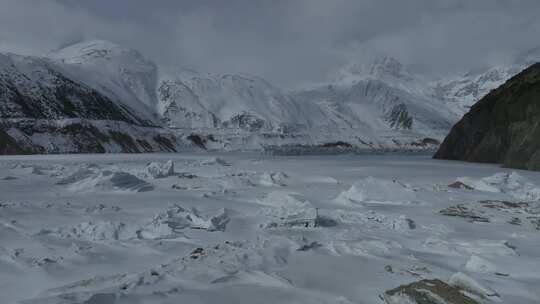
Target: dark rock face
{"points": [[399, 117], [45, 93], [8, 145], [246, 121], [503, 127], [81, 136]]}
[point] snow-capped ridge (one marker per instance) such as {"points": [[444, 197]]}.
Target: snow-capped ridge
{"points": [[229, 102], [384, 104], [88, 50], [121, 73]]}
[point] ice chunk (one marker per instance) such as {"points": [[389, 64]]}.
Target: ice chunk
{"points": [[375, 190], [271, 179], [159, 170], [288, 210], [172, 221], [286, 205]]}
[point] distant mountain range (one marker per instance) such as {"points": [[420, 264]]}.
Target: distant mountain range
{"points": [[96, 96]]}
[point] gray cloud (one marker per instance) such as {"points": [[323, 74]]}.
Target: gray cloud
{"points": [[286, 41]]}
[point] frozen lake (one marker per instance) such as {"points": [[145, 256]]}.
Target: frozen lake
{"points": [[251, 228]]}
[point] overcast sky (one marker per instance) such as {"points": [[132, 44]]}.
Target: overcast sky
{"points": [[287, 41]]}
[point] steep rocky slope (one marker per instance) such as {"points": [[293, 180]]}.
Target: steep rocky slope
{"points": [[122, 74], [460, 92], [43, 110], [503, 127]]}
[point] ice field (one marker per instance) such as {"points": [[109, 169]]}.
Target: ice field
{"points": [[251, 228]]}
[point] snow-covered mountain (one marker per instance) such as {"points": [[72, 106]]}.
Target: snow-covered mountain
{"points": [[96, 96], [43, 109], [122, 74], [379, 106], [382, 105], [243, 111], [461, 92], [229, 101]]}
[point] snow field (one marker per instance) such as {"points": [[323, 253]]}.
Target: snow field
{"points": [[312, 229]]}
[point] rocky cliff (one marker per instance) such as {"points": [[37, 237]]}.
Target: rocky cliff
{"points": [[503, 127]]}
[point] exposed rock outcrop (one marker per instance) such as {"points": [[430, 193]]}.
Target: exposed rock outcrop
{"points": [[503, 127]]}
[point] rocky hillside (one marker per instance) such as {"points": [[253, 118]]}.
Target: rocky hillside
{"points": [[44, 110], [503, 127]]}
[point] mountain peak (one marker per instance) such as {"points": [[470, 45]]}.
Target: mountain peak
{"points": [[93, 50], [383, 67], [122, 73], [387, 66]]}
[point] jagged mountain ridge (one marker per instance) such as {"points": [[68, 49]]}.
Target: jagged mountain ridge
{"points": [[382, 108], [384, 100], [378, 106]]}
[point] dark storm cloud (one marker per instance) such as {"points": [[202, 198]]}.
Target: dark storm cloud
{"points": [[287, 41]]}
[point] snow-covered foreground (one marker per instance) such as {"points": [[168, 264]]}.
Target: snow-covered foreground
{"points": [[247, 228]]}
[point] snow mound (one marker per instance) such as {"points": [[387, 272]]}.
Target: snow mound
{"points": [[510, 183], [165, 225], [175, 219], [237, 263], [464, 282], [481, 265], [375, 190], [93, 231], [159, 170], [105, 180], [271, 179]]}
